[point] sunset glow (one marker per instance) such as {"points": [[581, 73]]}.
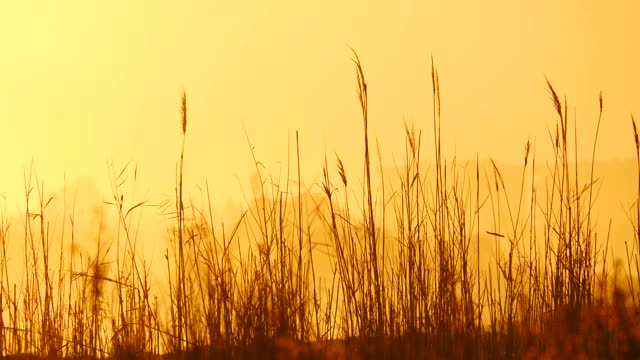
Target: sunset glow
{"points": [[515, 224]]}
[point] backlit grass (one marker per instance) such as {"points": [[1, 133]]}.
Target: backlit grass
{"points": [[338, 269]]}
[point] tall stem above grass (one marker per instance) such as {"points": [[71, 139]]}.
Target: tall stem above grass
{"points": [[370, 223], [181, 295], [637, 224]]}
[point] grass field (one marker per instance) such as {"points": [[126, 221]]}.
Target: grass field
{"points": [[363, 268]]}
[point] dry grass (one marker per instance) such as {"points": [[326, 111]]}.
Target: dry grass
{"points": [[405, 277]]}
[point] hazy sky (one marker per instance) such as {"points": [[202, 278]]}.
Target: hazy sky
{"points": [[83, 82]]}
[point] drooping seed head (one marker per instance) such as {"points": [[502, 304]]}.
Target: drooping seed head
{"points": [[635, 132], [410, 133], [554, 97]]}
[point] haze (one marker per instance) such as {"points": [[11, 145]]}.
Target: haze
{"points": [[87, 87], [83, 83]]}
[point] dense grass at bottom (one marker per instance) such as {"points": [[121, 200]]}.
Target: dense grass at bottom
{"points": [[404, 277]]}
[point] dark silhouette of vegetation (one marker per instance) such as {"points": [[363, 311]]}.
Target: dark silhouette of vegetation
{"points": [[405, 280]]}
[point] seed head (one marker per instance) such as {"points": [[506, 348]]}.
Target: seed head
{"points": [[600, 98], [527, 150], [183, 111], [635, 132], [341, 172]]}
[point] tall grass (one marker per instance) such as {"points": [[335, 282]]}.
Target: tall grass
{"points": [[302, 274]]}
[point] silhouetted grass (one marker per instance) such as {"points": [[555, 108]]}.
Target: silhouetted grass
{"points": [[405, 276]]}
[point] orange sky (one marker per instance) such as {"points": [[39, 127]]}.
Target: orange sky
{"points": [[83, 82]]}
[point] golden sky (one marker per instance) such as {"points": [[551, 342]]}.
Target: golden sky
{"points": [[84, 82]]}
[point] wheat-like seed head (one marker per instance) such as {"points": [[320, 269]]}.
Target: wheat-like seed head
{"points": [[527, 150], [183, 111], [341, 172]]}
